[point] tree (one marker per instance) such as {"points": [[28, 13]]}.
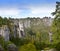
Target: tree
{"points": [[56, 24], [2, 41], [1, 21]]}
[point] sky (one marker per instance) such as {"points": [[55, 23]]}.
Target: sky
{"points": [[27, 8]]}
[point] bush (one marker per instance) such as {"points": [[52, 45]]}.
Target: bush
{"points": [[57, 47], [19, 41], [40, 45], [28, 47]]}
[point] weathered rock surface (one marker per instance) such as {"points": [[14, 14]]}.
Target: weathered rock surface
{"points": [[1, 49], [12, 47]]}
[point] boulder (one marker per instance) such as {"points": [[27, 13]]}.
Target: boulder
{"points": [[1, 49], [12, 47]]}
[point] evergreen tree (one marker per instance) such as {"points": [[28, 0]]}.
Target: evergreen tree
{"points": [[56, 24]]}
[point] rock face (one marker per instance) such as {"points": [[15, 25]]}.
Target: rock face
{"points": [[50, 36], [21, 29], [12, 47], [1, 49], [21, 24], [4, 31], [47, 21]]}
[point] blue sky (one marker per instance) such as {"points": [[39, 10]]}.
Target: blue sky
{"points": [[27, 8]]}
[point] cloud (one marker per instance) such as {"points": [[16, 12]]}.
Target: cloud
{"points": [[26, 8], [31, 11], [41, 11], [9, 12]]}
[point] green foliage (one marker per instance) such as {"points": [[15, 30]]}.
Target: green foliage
{"points": [[56, 25], [1, 21], [28, 47], [38, 31], [9, 23], [40, 45], [4, 21], [6, 43], [57, 47], [19, 41], [2, 41], [37, 34]]}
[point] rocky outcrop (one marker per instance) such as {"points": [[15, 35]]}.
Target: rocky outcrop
{"points": [[4, 31], [12, 47], [1, 49]]}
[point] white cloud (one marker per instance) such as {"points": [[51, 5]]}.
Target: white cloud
{"points": [[41, 11], [9, 12], [33, 12]]}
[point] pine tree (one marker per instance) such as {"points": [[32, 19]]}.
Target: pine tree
{"points": [[56, 24]]}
